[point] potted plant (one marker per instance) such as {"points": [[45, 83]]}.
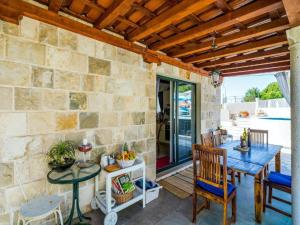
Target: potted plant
{"points": [[61, 155]]}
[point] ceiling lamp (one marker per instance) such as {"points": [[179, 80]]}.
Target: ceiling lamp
{"points": [[215, 74]]}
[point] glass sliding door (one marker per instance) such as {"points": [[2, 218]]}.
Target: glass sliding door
{"points": [[185, 120]]}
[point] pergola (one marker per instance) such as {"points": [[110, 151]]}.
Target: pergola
{"points": [[238, 37]]}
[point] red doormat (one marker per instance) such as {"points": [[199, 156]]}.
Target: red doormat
{"points": [[162, 162]]}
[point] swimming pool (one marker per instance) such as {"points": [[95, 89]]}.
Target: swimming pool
{"points": [[274, 118]]}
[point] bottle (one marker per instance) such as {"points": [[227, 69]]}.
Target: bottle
{"points": [[244, 138], [249, 138]]}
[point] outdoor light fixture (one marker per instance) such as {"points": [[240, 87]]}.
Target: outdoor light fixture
{"points": [[216, 78]]}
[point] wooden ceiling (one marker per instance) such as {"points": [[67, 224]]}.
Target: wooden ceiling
{"points": [[249, 35]]}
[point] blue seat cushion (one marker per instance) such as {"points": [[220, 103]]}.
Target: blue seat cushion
{"points": [[280, 179], [215, 190]]}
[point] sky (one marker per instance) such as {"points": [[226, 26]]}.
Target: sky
{"points": [[237, 86]]}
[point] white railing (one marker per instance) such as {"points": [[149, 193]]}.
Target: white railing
{"points": [[273, 103]]}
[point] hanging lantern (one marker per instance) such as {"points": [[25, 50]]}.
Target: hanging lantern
{"points": [[216, 78]]}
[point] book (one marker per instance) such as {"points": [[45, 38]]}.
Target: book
{"points": [[123, 184]]}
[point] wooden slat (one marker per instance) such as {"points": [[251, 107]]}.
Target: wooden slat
{"points": [[237, 69], [174, 14], [278, 69], [10, 15], [242, 58], [275, 26], [256, 62], [292, 8], [252, 10], [55, 5], [250, 46], [52, 18], [118, 8]]}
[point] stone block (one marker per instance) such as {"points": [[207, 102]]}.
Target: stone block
{"points": [[66, 60], [125, 119], [10, 28], [150, 90], [99, 49], [13, 123], [78, 101], [150, 117], [94, 83], [31, 52], [108, 119], [151, 145], [6, 96], [100, 102], [17, 147], [55, 100], [152, 103], [138, 118], [28, 99], [139, 146], [88, 120], [118, 135], [110, 51], [14, 74], [67, 39], [86, 45], [103, 137], [124, 103], [67, 80], [131, 133], [66, 121], [29, 28], [42, 77], [99, 66], [6, 174], [2, 46], [40, 122], [143, 131], [149, 157], [36, 145], [97, 152], [48, 34]]}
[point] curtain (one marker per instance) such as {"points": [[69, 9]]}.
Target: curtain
{"points": [[282, 79], [158, 109]]}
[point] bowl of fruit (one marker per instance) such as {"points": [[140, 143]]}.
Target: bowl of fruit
{"points": [[126, 157]]}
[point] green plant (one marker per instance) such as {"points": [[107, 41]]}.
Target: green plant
{"points": [[61, 153], [272, 91], [125, 147], [251, 95]]}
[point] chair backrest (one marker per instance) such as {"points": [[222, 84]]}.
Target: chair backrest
{"points": [[217, 138], [207, 139], [212, 166], [259, 136]]}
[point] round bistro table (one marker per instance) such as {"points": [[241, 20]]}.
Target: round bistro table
{"points": [[74, 176]]}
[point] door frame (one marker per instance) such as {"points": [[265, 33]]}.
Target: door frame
{"points": [[174, 106]]}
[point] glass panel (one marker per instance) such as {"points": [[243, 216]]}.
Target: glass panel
{"points": [[185, 120]]}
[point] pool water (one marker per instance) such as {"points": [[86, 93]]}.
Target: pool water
{"points": [[274, 118]]}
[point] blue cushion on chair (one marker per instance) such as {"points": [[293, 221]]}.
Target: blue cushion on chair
{"points": [[215, 190], [281, 179]]}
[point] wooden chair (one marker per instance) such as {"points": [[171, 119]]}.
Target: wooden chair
{"points": [[259, 136], [217, 140], [280, 182], [207, 139], [210, 180]]}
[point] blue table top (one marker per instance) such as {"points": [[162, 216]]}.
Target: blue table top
{"points": [[251, 162]]}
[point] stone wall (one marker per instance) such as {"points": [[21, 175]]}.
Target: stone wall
{"points": [[57, 85]]}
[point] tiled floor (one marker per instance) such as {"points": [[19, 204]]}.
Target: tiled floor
{"points": [[170, 210]]}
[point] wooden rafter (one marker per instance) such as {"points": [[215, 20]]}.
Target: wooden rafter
{"points": [[168, 17], [247, 12], [118, 8], [260, 62], [63, 22], [292, 8], [242, 58], [275, 26], [277, 69], [55, 5], [10, 15], [237, 69], [250, 46]]}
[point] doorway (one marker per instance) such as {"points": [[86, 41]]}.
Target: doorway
{"points": [[175, 122]]}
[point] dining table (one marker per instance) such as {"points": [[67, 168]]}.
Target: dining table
{"points": [[253, 162]]}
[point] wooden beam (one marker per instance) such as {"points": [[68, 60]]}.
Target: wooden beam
{"points": [[244, 13], [118, 8], [274, 26], [266, 61], [249, 46], [63, 22], [242, 58], [278, 69], [55, 5], [172, 15], [10, 15], [292, 8], [223, 5], [237, 69]]}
